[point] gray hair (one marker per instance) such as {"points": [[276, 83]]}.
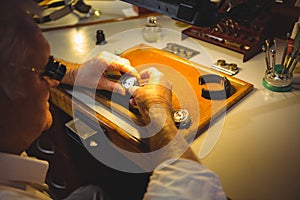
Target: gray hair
{"points": [[17, 27]]}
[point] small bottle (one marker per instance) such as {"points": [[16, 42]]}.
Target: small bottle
{"points": [[151, 30], [100, 37]]}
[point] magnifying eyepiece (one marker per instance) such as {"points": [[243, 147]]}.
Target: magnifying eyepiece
{"points": [[55, 69]]}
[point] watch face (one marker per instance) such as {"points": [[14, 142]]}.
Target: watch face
{"points": [[181, 118], [129, 81], [180, 115]]}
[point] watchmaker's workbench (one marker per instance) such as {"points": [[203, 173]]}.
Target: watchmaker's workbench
{"points": [[254, 148]]}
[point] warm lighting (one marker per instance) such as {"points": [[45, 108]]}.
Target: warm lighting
{"points": [[97, 13], [78, 41], [78, 38]]}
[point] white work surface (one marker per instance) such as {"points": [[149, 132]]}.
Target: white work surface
{"points": [[254, 148]]}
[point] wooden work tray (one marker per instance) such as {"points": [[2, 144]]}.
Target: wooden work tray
{"points": [[184, 76]]}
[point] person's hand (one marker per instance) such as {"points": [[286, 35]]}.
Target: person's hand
{"points": [[92, 73], [154, 102], [154, 93]]}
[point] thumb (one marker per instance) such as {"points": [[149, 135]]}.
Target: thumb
{"points": [[132, 89], [111, 86]]}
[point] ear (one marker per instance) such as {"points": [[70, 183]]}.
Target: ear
{"points": [[10, 92]]}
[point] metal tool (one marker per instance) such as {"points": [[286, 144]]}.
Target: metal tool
{"points": [[273, 53], [279, 77], [264, 49], [295, 62], [285, 48]]}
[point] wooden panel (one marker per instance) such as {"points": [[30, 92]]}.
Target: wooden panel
{"points": [[184, 75], [73, 107]]}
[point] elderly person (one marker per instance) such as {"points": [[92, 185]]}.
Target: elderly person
{"points": [[25, 82]]}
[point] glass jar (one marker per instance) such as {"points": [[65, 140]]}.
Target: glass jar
{"points": [[151, 30]]}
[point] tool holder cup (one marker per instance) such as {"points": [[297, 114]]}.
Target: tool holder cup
{"points": [[278, 79]]}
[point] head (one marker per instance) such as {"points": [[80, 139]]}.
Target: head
{"points": [[24, 106]]}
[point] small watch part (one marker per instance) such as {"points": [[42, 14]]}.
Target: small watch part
{"points": [[228, 68], [129, 81], [180, 50], [181, 118]]}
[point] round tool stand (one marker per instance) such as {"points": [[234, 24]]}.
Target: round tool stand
{"points": [[278, 81]]}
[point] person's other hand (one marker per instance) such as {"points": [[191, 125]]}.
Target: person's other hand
{"points": [[93, 72], [154, 102], [155, 93]]}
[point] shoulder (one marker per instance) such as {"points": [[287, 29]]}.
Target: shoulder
{"points": [[12, 194]]}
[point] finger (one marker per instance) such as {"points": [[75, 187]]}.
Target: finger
{"points": [[133, 72], [154, 76], [132, 89], [123, 65], [106, 57], [117, 63], [132, 102], [111, 86], [150, 72]]}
